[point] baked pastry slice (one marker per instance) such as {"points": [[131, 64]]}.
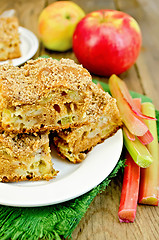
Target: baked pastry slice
{"points": [[25, 157], [45, 94], [74, 144], [9, 38]]}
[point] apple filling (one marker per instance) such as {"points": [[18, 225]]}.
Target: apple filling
{"points": [[68, 110], [74, 144], [25, 157]]}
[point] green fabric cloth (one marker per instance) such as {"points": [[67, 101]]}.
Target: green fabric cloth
{"points": [[56, 221]]}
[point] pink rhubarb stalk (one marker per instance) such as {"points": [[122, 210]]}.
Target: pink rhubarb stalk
{"points": [[129, 134], [147, 137], [132, 121], [137, 102], [148, 192], [126, 95], [130, 189]]}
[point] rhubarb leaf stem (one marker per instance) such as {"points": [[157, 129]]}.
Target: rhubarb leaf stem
{"points": [[148, 193], [130, 189], [138, 152]]}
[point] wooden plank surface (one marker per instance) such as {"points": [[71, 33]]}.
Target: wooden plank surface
{"points": [[101, 220], [146, 13]]}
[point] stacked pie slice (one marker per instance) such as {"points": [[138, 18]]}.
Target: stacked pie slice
{"points": [[43, 96], [74, 144], [9, 38]]}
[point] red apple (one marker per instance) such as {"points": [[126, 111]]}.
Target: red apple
{"points": [[107, 42]]}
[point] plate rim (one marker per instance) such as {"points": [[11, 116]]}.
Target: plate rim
{"points": [[19, 198]]}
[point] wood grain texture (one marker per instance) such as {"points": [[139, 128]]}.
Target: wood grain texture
{"points": [[101, 220], [92, 5], [147, 15]]}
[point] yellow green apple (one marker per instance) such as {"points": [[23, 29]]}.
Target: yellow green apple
{"points": [[57, 23]]}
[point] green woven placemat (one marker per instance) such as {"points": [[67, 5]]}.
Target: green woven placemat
{"points": [[56, 221], [49, 222]]}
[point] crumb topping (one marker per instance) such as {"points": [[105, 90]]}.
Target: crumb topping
{"points": [[37, 78]]}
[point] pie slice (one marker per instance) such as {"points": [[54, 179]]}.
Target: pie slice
{"points": [[74, 144], [45, 94], [25, 157], [9, 38]]}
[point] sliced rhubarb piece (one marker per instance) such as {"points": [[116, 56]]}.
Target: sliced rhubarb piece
{"points": [[129, 134], [146, 138], [148, 192], [133, 122], [130, 189], [137, 102], [126, 95], [140, 114], [138, 152]]}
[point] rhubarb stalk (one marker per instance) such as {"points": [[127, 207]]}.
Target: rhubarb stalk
{"points": [[129, 134], [148, 193], [147, 137], [138, 151], [130, 189], [132, 121]]}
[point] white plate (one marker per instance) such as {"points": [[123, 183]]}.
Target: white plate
{"points": [[29, 46], [72, 181]]}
